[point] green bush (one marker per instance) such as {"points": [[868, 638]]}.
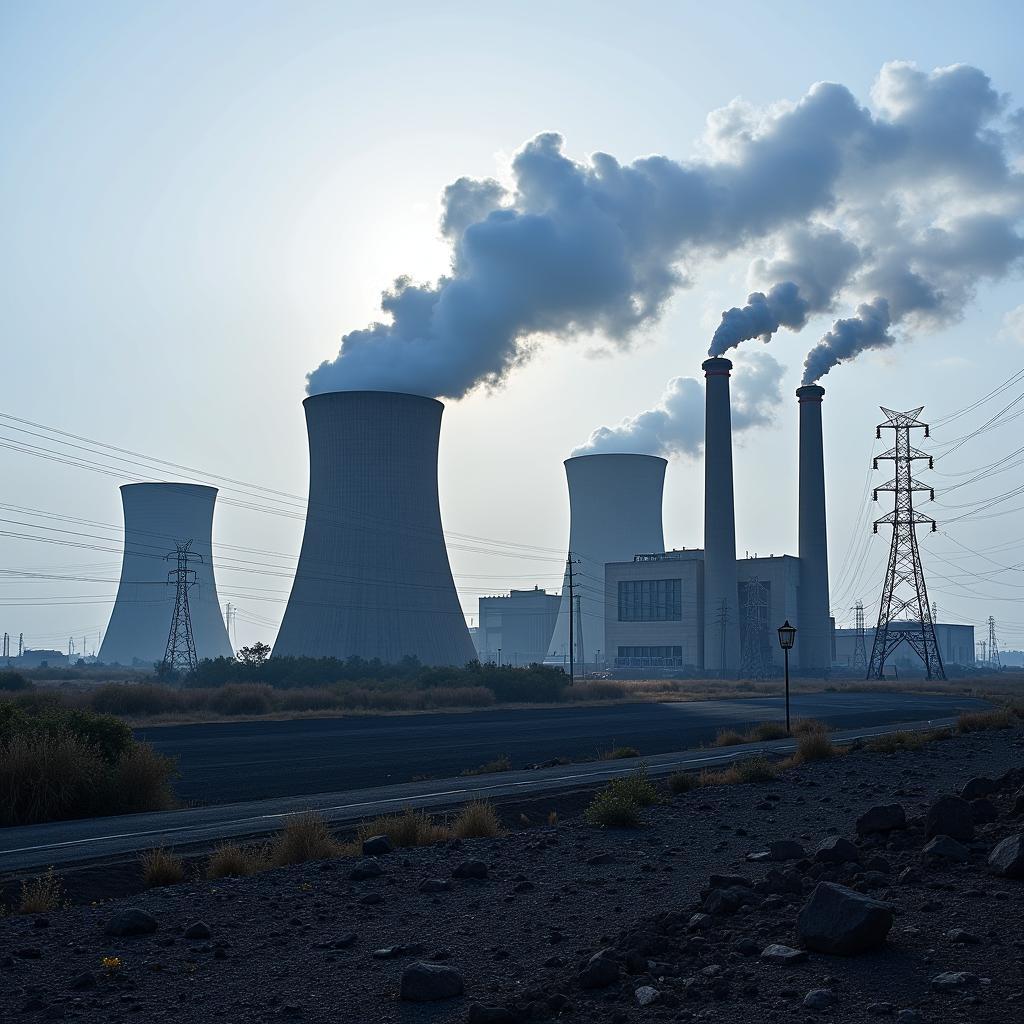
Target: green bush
{"points": [[636, 787], [242, 699], [612, 810], [682, 782], [13, 682]]}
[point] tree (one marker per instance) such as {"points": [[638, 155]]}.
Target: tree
{"points": [[255, 656]]}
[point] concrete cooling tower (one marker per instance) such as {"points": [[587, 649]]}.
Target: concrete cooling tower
{"points": [[614, 514], [156, 517], [373, 578]]}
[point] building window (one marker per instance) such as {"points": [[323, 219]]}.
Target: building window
{"points": [[650, 652], [650, 600]]}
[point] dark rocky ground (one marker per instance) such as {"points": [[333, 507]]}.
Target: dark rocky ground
{"points": [[308, 943]]}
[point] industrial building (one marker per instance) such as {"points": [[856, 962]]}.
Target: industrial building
{"points": [[514, 629], [158, 517], [956, 646], [373, 578]]}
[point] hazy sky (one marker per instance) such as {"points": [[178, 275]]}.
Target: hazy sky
{"points": [[199, 200]]}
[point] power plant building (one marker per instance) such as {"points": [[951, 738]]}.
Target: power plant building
{"points": [[157, 517], [956, 645], [373, 578], [515, 629]]}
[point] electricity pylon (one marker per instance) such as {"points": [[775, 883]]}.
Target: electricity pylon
{"points": [[993, 644], [180, 655], [904, 569], [755, 663], [860, 654]]}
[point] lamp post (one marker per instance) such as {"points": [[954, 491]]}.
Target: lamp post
{"points": [[787, 635]]}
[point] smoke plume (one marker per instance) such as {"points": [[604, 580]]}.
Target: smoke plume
{"points": [[675, 426], [910, 203]]}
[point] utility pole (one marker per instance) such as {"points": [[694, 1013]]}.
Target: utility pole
{"points": [[860, 654], [569, 582], [181, 648], [723, 621], [904, 567], [21, 644], [993, 645], [579, 637]]}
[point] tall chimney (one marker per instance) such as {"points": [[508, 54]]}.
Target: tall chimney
{"points": [[721, 606], [813, 639]]}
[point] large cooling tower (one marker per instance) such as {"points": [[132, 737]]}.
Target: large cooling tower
{"points": [[813, 638], [373, 578], [721, 603], [614, 514], [156, 517]]}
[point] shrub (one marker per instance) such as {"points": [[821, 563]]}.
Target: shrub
{"points": [[895, 741], [813, 746], [305, 837], [161, 867], [499, 764], [477, 820], [410, 828], [636, 787], [231, 860], [753, 769], [135, 699], [140, 781], [620, 753], [768, 731], [806, 726], [730, 738], [242, 699], [13, 682], [41, 895], [976, 721], [612, 810], [682, 782]]}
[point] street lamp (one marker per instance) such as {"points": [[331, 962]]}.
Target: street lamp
{"points": [[787, 635]]}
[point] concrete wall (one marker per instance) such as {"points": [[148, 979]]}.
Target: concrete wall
{"points": [[782, 575], [373, 578], [156, 516], [519, 624]]}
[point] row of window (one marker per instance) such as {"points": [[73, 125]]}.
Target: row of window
{"points": [[651, 600], [650, 652]]}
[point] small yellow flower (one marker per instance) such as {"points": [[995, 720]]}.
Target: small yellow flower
{"points": [[111, 963], [305, 887]]}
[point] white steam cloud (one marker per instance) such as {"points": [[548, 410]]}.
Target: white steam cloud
{"points": [[899, 211], [675, 426]]}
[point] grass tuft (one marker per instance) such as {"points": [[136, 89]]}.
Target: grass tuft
{"points": [[636, 787], [751, 769], [682, 782], [161, 867], [232, 860], [813, 746], [499, 764], [305, 837], [477, 820], [612, 810], [977, 721], [619, 753], [410, 828], [41, 895]]}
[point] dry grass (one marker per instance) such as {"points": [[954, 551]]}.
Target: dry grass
{"points": [[305, 837], [813, 746], [619, 753], [730, 738], [894, 742], [552, 818], [756, 734], [477, 820], [499, 764], [682, 782], [636, 787], [610, 810], [751, 769], [161, 867], [42, 895], [410, 828], [808, 726], [976, 721], [232, 860]]}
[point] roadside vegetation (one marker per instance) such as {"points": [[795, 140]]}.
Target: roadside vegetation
{"points": [[58, 763]]}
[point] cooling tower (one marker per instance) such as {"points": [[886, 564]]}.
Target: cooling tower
{"points": [[813, 639], [373, 578], [614, 514], [156, 517], [721, 604]]}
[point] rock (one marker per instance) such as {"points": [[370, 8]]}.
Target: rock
{"points": [[881, 1009], [950, 816], [602, 970], [909, 876], [397, 952], [372, 899], [836, 850], [974, 788], [198, 930], [983, 811], [428, 983], [435, 885], [377, 846], [819, 999], [365, 869], [728, 901], [131, 922], [759, 857], [344, 941], [961, 938], [491, 1015], [700, 923], [779, 954], [728, 882], [943, 848], [29, 953], [747, 947], [524, 886], [840, 921], [883, 818], [470, 869], [646, 995], [84, 981], [786, 849], [953, 981], [601, 858], [1007, 858], [910, 1016]]}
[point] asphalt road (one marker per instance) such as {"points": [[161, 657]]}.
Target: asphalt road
{"points": [[243, 761]]}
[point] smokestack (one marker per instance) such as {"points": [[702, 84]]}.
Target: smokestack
{"points": [[813, 638], [156, 517], [373, 578], [721, 605], [614, 514]]}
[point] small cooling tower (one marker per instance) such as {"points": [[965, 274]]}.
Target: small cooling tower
{"points": [[373, 578], [156, 517], [614, 514]]}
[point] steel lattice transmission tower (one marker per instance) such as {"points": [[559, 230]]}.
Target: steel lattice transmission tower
{"points": [[860, 654], [993, 644], [755, 662], [904, 571], [180, 655]]}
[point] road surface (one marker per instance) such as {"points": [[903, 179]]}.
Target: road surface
{"points": [[241, 761]]}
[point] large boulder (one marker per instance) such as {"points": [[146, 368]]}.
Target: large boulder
{"points": [[882, 818], [836, 850], [601, 970], [428, 983], [1007, 859], [365, 869], [944, 848], [130, 922], [843, 922], [786, 849], [950, 816], [377, 846], [980, 786]]}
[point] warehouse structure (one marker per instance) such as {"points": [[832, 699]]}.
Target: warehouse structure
{"points": [[514, 629], [955, 640]]}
